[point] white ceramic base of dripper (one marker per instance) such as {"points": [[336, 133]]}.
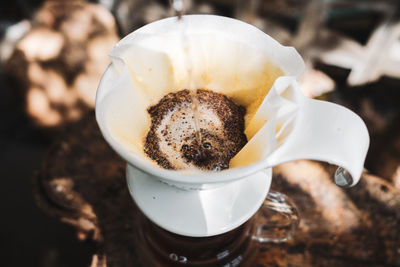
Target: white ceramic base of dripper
{"points": [[198, 213]]}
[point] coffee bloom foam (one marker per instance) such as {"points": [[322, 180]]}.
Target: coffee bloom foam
{"points": [[205, 136]]}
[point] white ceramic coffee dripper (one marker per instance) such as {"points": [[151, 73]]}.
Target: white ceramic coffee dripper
{"points": [[283, 126]]}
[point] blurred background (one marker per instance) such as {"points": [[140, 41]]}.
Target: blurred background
{"points": [[53, 53]]}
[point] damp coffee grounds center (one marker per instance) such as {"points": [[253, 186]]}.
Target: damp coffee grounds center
{"points": [[176, 141]]}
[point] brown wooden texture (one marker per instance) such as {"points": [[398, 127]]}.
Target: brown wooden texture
{"points": [[82, 182], [59, 62]]}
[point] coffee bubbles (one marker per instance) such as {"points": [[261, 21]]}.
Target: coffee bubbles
{"points": [[176, 141]]}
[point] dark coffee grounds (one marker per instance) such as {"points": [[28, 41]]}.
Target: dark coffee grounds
{"points": [[173, 141]]}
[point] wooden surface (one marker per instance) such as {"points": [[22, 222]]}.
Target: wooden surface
{"points": [[82, 183], [57, 65]]}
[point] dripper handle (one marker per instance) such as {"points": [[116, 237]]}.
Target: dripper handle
{"points": [[327, 132]]}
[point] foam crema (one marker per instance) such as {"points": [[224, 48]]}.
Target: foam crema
{"points": [[176, 141]]}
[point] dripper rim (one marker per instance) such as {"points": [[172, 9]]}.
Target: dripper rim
{"points": [[190, 176]]}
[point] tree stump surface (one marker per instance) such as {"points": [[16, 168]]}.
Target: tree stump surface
{"points": [[82, 183]]}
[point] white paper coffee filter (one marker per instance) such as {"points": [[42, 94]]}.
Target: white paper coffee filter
{"points": [[227, 56]]}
